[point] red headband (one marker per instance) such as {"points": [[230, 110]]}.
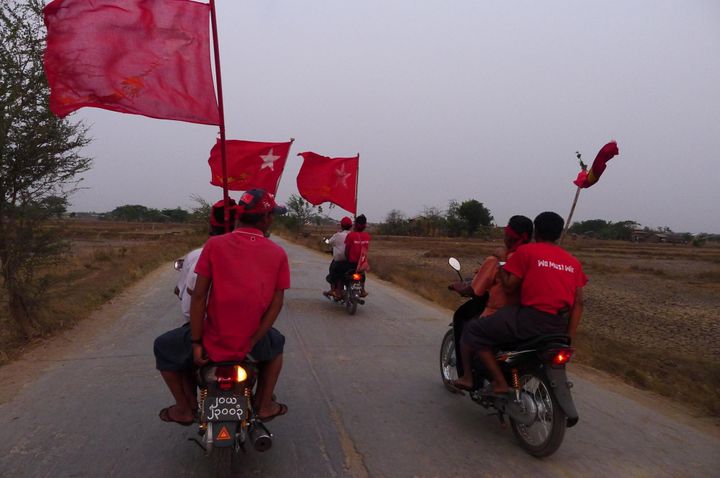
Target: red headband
{"points": [[512, 234]]}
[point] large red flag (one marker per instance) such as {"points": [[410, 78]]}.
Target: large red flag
{"points": [[585, 179], [146, 57], [250, 164], [324, 179]]}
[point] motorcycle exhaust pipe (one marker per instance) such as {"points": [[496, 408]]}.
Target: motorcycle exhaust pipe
{"points": [[260, 438]]}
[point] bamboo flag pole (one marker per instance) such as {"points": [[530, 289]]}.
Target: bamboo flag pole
{"points": [[572, 210], [223, 153], [583, 166]]}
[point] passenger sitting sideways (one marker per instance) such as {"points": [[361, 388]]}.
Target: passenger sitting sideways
{"points": [[173, 349], [486, 290], [339, 263], [550, 281], [487, 278]]}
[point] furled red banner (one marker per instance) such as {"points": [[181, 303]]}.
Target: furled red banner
{"points": [[250, 164], [585, 179], [145, 57], [322, 179]]}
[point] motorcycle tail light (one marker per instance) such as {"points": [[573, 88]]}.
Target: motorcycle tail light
{"points": [[225, 377], [240, 374], [357, 277], [561, 356]]}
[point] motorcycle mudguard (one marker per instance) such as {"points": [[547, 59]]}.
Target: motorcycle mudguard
{"points": [[559, 383], [224, 433]]}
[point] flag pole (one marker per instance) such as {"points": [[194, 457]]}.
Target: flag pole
{"points": [[357, 180], [223, 153], [572, 210]]}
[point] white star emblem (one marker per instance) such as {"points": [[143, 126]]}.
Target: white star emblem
{"points": [[342, 176], [269, 160]]}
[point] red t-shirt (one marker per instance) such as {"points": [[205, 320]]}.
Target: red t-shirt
{"points": [[356, 241], [246, 269], [550, 276]]}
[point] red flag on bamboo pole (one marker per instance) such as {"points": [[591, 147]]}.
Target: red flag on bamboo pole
{"points": [[585, 179], [250, 164], [146, 57], [322, 179]]}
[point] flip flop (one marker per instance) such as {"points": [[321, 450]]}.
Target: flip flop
{"points": [[460, 386], [452, 388], [165, 416], [488, 391], [282, 410]]}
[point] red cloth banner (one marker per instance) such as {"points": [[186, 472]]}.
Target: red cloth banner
{"points": [[585, 179], [322, 179], [145, 57], [250, 164]]}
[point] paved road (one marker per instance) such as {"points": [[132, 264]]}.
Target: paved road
{"points": [[364, 396]]}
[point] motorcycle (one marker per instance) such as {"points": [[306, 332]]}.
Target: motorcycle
{"points": [[540, 406], [227, 419], [352, 286]]}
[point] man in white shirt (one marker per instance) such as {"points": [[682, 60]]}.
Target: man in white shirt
{"points": [[339, 262], [186, 281]]}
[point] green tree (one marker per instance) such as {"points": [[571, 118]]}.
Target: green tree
{"points": [[474, 214], [300, 213], [454, 223], [395, 224], [176, 215], [39, 161]]}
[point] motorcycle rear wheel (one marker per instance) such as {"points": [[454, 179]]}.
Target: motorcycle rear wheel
{"points": [[448, 361], [545, 435], [351, 305], [226, 462]]}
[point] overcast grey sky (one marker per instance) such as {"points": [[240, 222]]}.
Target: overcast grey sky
{"points": [[453, 99]]}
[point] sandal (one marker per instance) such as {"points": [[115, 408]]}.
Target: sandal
{"points": [[165, 416], [460, 386], [282, 410]]}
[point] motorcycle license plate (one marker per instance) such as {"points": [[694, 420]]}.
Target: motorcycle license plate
{"points": [[223, 409], [356, 286]]}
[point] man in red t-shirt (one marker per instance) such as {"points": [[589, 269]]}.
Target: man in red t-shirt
{"points": [[233, 319], [357, 244], [550, 281]]}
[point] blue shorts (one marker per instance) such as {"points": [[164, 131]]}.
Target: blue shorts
{"points": [[173, 349]]}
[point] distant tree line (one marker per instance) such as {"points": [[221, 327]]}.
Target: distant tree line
{"points": [[601, 229], [138, 213], [467, 218]]}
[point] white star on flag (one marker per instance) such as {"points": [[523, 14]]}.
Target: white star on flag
{"points": [[269, 160], [342, 176]]}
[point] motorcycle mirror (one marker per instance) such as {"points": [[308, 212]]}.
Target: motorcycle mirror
{"points": [[454, 263]]}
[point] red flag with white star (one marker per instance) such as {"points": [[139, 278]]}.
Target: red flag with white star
{"points": [[250, 164], [142, 57], [322, 179]]}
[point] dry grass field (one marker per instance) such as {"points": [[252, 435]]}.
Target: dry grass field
{"points": [[104, 257], [652, 313]]}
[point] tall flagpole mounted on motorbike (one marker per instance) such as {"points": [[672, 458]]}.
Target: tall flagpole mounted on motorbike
{"points": [[357, 180], [221, 112]]}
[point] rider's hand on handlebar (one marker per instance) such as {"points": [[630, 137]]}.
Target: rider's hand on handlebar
{"points": [[199, 356]]}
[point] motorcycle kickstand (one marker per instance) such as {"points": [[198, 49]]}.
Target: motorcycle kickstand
{"points": [[195, 440], [501, 418]]}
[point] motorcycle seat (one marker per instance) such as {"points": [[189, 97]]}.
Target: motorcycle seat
{"points": [[535, 342]]}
